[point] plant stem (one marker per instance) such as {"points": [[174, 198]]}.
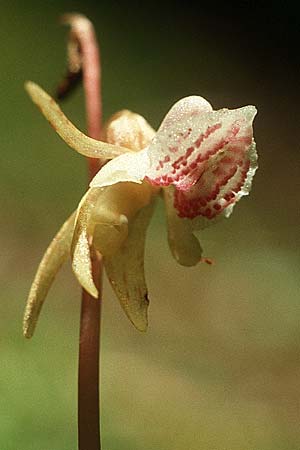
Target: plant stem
{"points": [[90, 317], [84, 49], [88, 368]]}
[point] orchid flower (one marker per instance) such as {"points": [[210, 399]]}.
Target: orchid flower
{"points": [[200, 160]]}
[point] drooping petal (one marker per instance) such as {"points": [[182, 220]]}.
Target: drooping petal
{"points": [[192, 138], [125, 270], [67, 131], [184, 246], [55, 255], [80, 249], [102, 228], [116, 207], [127, 167], [102, 219]]}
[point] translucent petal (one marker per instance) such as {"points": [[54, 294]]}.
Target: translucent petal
{"points": [[54, 257], [116, 207], [247, 184], [80, 250], [128, 129], [67, 131], [184, 246], [185, 147], [127, 167], [125, 270], [221, 186], [102, 219]]}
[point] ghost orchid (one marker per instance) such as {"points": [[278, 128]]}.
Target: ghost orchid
{"points": [[202, 161]]}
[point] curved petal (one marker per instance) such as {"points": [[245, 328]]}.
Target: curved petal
{"points": [[127, 167], [80, 249], [243, 188], [116, 207], [184, 148], [67, 131], [54, 257], [125, 270], [128, 129], [184, 246], [102, 219], [221, 186]]}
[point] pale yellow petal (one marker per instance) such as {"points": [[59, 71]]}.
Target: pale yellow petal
{"points": [[125, 270], [184, 246], [102, 221], [56, 254], [67, 131], [115, 208], [128, 129], [127, 167], [99, 221], [80, 250]]}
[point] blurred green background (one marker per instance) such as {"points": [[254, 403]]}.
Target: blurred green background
{"points": [[219, 368]]}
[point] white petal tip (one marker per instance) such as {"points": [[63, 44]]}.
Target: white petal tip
{"points": [[88, 285], [33, 89], [85, 279], [93, 291], [250, 112]]}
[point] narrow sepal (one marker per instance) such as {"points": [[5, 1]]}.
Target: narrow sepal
{"points": [[184, 246], [125, 270], [67, 131], [80, 249], [55, 255]]}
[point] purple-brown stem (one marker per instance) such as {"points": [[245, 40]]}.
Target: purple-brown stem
{"points": [[82, 33], [88, 367]]}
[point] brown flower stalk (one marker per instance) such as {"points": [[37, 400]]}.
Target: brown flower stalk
{"points": [[84, 58]]}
